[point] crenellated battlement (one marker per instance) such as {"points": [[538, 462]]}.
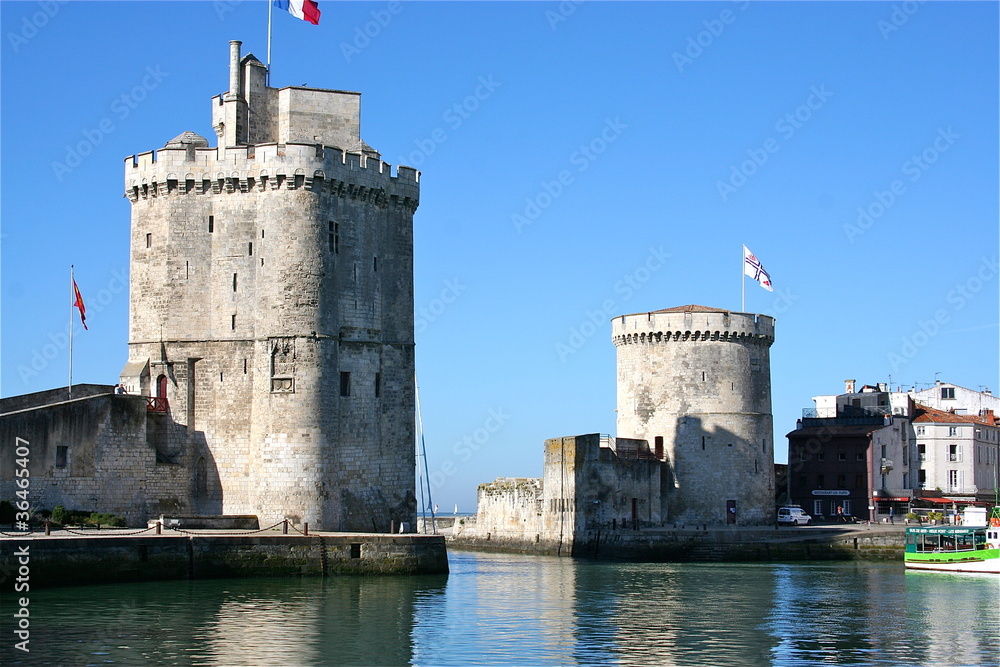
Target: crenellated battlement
{"points": [[313, 167], [691, 325]]}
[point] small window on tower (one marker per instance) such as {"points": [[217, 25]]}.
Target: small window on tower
{"points": [[375, 264], [234, 323], [378, 385], [149, 240], [234, 282], [345, 383], [62, 456], [250, 248], [211, 224]]}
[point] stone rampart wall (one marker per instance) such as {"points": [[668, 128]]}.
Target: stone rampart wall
{"points": [[60, 561]]}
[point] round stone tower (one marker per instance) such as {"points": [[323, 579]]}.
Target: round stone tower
{"points": [[271, 318], [695, 382]]}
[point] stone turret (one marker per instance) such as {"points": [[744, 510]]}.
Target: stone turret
{"points": [[272, 305], [695, 382]]}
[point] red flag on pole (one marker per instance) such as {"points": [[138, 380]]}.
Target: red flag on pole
{"points": [[79, 304]]}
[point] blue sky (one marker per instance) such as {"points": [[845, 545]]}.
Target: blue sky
{"points": [[578, 161]]}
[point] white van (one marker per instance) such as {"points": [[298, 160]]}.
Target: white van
{"points": [[794, 516]]}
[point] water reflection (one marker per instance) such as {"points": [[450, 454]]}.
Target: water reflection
{"points": [[523, 610]]}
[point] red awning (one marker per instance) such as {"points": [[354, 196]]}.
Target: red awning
{"points": [[948, 501]]}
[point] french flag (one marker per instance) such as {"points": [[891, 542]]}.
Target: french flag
{"points": [[307, 10]]}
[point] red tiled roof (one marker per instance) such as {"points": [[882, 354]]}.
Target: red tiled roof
{"points": [[928, 415]]}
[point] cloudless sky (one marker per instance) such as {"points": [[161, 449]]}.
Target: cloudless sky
{"points": [[579, 161]]}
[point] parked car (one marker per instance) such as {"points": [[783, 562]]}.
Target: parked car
{"points": [[794, 516]]}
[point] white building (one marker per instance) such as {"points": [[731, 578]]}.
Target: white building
{"points": [[949, 397], [956, 453]]}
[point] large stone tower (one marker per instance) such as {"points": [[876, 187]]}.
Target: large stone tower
{"points": [[272, 308], [695, 382]]}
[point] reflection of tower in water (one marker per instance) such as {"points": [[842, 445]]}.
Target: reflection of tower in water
{"points": [[339, 620]]}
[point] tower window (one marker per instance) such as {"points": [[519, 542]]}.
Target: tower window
{"points": [[378, 385], [234, 282], [345, 383], [244, 366], [149, 240], [658, 446], [211, 224], [187, 270], [375, 264], [250, 248], [262, 233], [62, 456], [234, 323], [703, 442]]}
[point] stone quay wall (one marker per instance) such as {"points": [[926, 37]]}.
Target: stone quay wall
{"points": [[62, 561], [739, 545]]}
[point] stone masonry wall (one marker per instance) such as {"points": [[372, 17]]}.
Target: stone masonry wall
{"points": [[273, 286], [107, 466], [698, 382]]}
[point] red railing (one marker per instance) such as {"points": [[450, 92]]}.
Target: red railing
{"points": [[156, 404]]}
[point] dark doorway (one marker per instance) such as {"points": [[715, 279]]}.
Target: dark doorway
{"points": [[161, 386], [730, 511]]}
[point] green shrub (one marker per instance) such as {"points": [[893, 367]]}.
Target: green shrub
{"points": [[104, 519], [59, 515], [912, 516]]}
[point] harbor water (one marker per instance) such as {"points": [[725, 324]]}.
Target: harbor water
{"points": [[496, 609]]}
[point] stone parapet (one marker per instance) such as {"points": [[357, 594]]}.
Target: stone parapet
{"points": [[313, 167], [666, 327]]}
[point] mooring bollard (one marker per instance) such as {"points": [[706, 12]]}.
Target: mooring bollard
{"points": [[47, 530], [159, 527], [284, 527], [392, 526], [305, 528]]}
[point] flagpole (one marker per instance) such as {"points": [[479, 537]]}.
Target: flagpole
{"points": [[743, 282], [72, 299], [269, 5]]}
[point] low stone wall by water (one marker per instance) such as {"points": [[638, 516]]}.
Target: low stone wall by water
{"points": [[60, 561], [736, 545]]}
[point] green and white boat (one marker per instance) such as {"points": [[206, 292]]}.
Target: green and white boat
{"points": [[971, 547]]}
